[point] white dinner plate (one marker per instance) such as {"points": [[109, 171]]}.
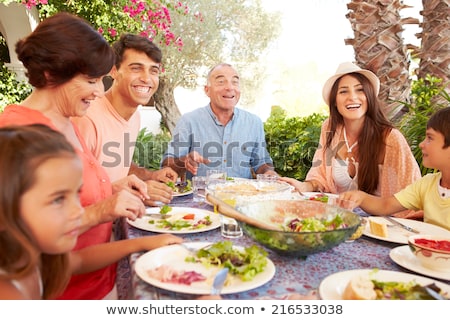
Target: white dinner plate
{"points": [[400, 235], [333, 286], [174, 256], [309, 195], [179, 194], [403, 256], [144, 222]]}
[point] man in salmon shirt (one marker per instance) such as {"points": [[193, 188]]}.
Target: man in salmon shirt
{"points": [[111, 124]]}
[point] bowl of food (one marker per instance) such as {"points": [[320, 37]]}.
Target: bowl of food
{"points": [[302, 227], [432, 251]]}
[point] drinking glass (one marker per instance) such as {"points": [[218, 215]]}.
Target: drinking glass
{"points": [[214, 176], [198, 188]]}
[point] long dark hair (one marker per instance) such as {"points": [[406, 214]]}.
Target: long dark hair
{"points": [[23, 149], [371, 141]]}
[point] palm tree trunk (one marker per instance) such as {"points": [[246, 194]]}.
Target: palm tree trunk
{"points": [[435, 51], [379, 47]]}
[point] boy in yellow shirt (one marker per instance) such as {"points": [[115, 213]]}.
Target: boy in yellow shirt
{"points": [[431, 193]]}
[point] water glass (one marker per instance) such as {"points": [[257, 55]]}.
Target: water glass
{"points": [[214, 176], [198, 188], [229, 227], [345, 204]]}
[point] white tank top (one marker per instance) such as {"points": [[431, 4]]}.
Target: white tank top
{"points": [[341, 178]]}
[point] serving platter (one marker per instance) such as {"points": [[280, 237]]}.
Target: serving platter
{"points": [[333, 286], [403, 256], [400, 235], [174, 255], [150, 223]]}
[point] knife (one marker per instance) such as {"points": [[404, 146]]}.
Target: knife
{"points": [[158, 215], [219, 281], [390, 219]]}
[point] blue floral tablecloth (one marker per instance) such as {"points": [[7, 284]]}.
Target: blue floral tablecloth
{"points": [[293, 275]]}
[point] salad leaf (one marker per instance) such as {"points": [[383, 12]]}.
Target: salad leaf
{"points": [[322, 198], [165, 209], [171, 184], [180, 188], [176, 225], [314, 224], [245, 264], [393, 290], [184, 223]]}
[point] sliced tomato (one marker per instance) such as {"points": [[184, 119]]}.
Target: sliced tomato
{"points": [[189, 216]]}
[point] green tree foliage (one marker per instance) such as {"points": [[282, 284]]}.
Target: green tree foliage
{"points": [[292, 141], [11, 90], [193, 35], [150, 148], [216, 31], [414, 123]]}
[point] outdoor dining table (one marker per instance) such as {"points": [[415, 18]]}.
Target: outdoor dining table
{"points": [[292, 276]]}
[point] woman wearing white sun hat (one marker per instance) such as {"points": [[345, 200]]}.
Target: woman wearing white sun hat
{"points": [[359, 148]]}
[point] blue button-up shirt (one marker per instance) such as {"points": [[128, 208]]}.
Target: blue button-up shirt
{"points": [[237, 147]]}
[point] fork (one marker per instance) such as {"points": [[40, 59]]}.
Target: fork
{"points": [[192, 249]]}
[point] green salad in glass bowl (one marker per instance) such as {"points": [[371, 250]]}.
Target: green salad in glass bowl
{"points": [[305, 227]]}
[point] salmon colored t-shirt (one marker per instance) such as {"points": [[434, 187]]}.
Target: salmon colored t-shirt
{"points": [[109, 136], [96, 186]]}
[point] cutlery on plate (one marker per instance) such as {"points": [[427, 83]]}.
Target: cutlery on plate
{"points": [[434, 293], [395, 222], [194, 250], [159, 215], [160, 205], [219, 281]]}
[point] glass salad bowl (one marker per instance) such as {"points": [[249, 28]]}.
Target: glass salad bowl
{"points": [[305, 227]]}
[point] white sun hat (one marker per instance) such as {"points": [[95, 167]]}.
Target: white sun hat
{"points": [[346, 68]]}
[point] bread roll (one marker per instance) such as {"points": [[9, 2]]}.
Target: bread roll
{"points": [[378, 228], [359, 288]]}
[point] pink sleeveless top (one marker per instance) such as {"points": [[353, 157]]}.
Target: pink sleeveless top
{"points": [[96, 186]]}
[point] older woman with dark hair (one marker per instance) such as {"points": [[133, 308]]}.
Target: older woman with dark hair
{"points": [[359, 148], [66, 60]]}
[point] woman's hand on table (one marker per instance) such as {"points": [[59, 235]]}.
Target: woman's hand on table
{"points": [[122, 204], [298, 185]]}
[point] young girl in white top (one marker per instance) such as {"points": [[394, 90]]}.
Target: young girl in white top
{"points": [[40, 216]]}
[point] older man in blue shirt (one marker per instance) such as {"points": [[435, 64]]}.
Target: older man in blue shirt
{"points": [[219, 136]]}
